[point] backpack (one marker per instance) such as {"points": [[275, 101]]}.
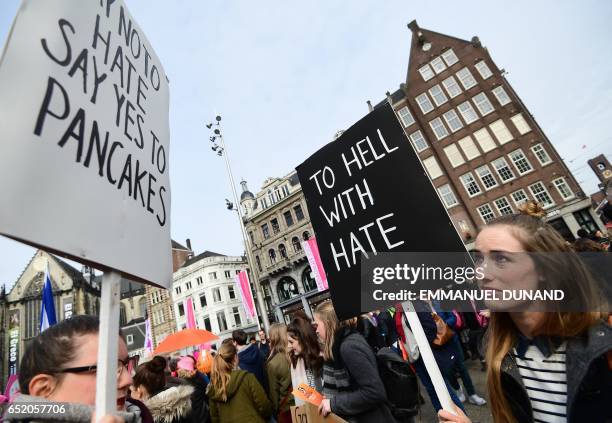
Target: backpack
{"points": [[400, 383]]}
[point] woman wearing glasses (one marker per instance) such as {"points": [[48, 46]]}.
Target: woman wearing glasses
{"points": [[59, 365]]}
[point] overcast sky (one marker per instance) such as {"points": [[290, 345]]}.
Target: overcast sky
{"points": [[287, 75]]}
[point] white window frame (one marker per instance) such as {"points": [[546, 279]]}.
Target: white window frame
{"points": [[482, 215], [446, 193], [415, 140], [426, 72], [129, 339], [433, 128], [466, 184], [423, 100], [522, 201], [501, 95], [499, 209], [469, 111], [454, 155], [405, 116], [561, 181], [450, 57], [451, 116], [452, 87], [439, 93], [505, 166], [438, 65], [468, 76], [484, 140], [432, 167], [533, 194], [484, 172], [469, 148], [537, 151], [520, 123], [512, 159], [483, 104], [502, 130], [483, 69]]}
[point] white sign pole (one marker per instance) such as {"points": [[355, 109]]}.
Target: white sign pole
{"points": [[428, 358], [106, 379]]}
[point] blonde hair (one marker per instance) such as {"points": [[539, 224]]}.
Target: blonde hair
{"points": [[537, 236], [222, 367], [326, 313], [278, 341]]}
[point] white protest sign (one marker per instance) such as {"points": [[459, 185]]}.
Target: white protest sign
{"points": [[85, 138]]}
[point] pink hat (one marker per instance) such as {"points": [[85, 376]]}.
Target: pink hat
{"points": [[185, 363]]}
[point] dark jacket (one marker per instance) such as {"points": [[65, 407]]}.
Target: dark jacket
{"points": [[370, 332], [264, 349], [246, 401], [352, 381], [279, 378], [589, 380], [199, 399], [445, 355], [386, 326], [172, 405], [252, 360]]}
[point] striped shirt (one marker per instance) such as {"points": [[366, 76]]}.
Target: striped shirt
{"points": [[545, 380]]}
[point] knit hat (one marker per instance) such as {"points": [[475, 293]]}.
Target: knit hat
{"points": [[186, 363]]}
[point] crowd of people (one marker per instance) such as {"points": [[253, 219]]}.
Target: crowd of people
{"points": [[541, 366]]}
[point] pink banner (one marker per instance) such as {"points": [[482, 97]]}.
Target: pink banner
{"points": [[242, 280], [312, 254], [191, 322], [12, 387]]}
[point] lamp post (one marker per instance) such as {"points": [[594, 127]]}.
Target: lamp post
{"points": [[221, 150]]}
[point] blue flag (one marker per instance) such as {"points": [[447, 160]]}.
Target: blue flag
{"points": [[47, 311]]}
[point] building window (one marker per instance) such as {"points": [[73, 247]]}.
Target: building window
{"points": [[519, 197], [470, 184], [287, 288], [199, 280], [432, 167], [299, 213], [520, 123], [438, 128], [501, 95], [238, 271], [470, 150], [585, 220], [426, 72], [212, 276], [203, 302], [486, 213], [454, 156], [563, 188], [188, 285], [486, 177], [228, 274], [503, 206], [424, 103], [122, 315], [308, 280], [129, 339], [541, 154], [418, 141], [483, 104], [466, 78], [231, 293], [221, 321], [251, 237], [500, 131], [453, 121], [258, 263], [297, 245], [483, 69], [484, 140], [447, 195], [178, 290], [272, 255], [207, 325], [452, 87], [236, 313], [181, 309], [216, 295], [539, 192], [468, 112], [520, 162], [405, 116], [288, 218], [438, 65], [438, 95], [275, 226], [306, 235], [265, 231], [282, 251], [450, 57], [503, 169]]}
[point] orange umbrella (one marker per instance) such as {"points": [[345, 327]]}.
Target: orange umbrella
{"points": [[183, 339]]}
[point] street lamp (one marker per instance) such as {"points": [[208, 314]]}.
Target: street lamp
{"points": [[219, 147]]}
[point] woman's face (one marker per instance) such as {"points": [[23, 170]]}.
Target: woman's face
{"points": [[506, 266], [293, 345], [319, 328], [81, 387]]}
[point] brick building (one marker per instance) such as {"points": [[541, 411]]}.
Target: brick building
{"points": [[478, 142]]}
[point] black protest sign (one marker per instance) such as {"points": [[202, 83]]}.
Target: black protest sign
{"points": [[368, 193]]}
